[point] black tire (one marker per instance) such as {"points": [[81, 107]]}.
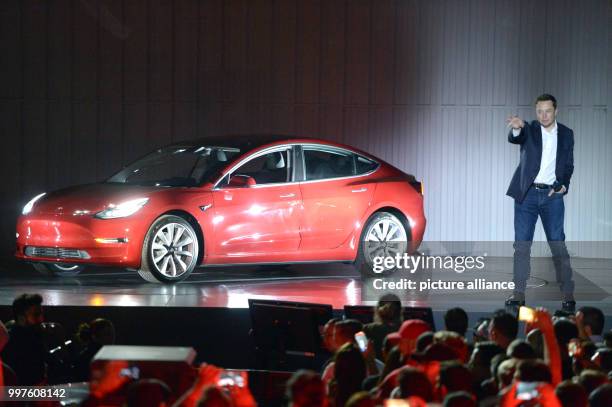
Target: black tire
{"points": [[58, 269], [364, 263], [175, 269]]}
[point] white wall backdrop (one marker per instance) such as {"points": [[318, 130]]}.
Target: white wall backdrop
{"points": [[476, 62]]}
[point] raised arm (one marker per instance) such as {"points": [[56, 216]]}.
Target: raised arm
{"points": [[518, 130], [552, 354]]}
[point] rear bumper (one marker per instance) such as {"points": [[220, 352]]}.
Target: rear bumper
{"points": [[79, 240]]}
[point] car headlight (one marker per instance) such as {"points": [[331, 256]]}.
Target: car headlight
{"points": [[122, 210], [28, 207]]}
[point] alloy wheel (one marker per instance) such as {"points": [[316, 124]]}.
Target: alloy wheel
{"points": [[385, 237], [173, 250], [66, 267]]}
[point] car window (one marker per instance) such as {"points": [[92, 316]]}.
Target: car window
{"points": [[271, 168], [176, 166], [364, 165], [322, 164]]}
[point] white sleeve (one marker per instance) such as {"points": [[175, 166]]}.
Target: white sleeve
{"points": [[516, 132]]}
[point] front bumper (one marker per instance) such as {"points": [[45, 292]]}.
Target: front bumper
{"points": [[79, 240]]}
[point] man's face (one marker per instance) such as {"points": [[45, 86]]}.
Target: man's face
{"points": [[492, 332], [33, 316], [328, 337], [546, 113]]}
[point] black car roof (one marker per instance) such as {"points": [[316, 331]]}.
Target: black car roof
{"points": [[240, 141]]}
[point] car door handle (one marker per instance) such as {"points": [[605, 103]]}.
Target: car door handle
{"points": [[287, 195], [360, 190]]}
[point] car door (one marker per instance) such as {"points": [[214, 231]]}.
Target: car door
{"points": [[334, 197], [251, 223]]}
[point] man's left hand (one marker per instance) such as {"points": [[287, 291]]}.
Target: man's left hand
{"points": [[561, 191]]}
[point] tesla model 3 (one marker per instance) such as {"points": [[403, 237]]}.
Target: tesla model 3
{"points": [[227, 201]]}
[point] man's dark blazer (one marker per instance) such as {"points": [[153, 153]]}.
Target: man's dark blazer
{"points": [[530, 139]]}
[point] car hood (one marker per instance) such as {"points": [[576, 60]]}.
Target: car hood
{"points": [[89, 199]]}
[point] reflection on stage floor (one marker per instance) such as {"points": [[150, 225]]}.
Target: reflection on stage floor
{"points": [[336, 284]]}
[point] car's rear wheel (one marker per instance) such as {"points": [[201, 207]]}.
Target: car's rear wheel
{"points": [[58, 269], [170, 250], [384, 235]]}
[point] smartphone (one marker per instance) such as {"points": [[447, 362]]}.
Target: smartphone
{"points": [[396, 403], [526, 314], [573, 348], [362, 340], [132, 372], [411, 401], [527, 390], [228, 378]]}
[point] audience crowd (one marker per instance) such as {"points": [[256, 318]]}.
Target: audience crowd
{"points": [[559, 361]]}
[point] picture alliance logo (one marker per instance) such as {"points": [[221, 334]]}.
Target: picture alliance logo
{"points": [[410, 263]]}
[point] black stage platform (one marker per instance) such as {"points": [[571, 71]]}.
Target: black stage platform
{"points": [[209, 310]]}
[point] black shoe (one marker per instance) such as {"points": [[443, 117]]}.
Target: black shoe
{"points": [[516, 300], [568, 306]]}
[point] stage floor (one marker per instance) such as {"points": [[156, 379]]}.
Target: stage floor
{"points": [[335, 284]]}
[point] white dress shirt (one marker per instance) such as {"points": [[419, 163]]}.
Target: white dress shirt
{"points": [[546, 174]]}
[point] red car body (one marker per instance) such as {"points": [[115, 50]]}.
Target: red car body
{"points": [[296, 221]]}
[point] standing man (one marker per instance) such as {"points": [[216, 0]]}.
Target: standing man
{"points": [[25, 351], [538, 186]]}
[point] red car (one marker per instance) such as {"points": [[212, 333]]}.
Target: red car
{"points": [[220, 201]]}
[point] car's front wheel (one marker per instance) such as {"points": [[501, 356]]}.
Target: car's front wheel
{"points": [[384, 236], [58, 269], [170, 250]]}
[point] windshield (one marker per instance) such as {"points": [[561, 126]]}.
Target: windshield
{"points": [[176, 166]]}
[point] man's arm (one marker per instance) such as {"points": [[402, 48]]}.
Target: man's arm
{"points": [[552, 354], [518, 130]]}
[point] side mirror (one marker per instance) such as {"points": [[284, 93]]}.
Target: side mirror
{"points": [[241, 181]]}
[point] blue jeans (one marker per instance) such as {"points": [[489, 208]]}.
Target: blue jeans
{"points": [[551, 211]]}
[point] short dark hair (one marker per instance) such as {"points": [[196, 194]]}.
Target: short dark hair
{"points": [[486, 351], [533, 370], [424, 340], [572, 394], [22, 303], [456, 320], [350, 371], [389, 308], [414, 382], [459, 399], [588, 349], [348, 327], [591, 379], [565, 330], [100, 330], [303, 384], [546, 96], [605, 355], [602, 396], [594, 318], [520, 349], [505, 323], [455, 376]]}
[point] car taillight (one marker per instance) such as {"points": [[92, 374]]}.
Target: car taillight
{"points": [[418, 186]]}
